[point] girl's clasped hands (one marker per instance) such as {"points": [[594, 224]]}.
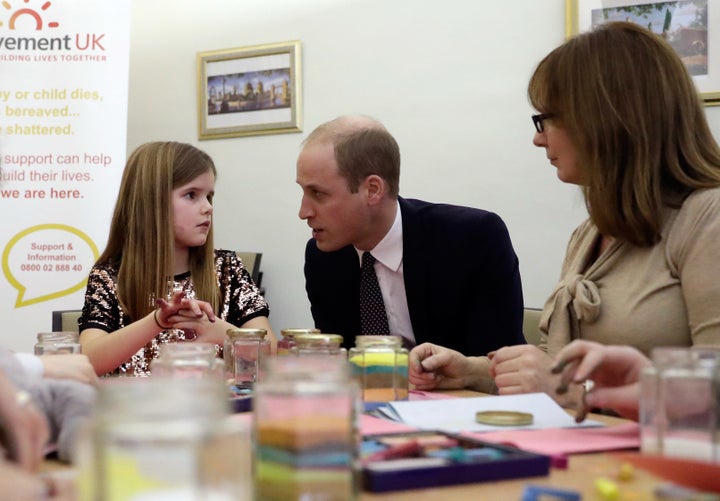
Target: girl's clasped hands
{"points": [[182, 312]]}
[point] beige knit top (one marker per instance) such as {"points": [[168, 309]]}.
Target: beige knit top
{"points": [[668, 294]]}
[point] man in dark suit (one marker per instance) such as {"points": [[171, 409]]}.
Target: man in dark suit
{"points": [[448, 274]]}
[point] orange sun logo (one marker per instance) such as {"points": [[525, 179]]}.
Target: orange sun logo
{"points": [[28, 12]]}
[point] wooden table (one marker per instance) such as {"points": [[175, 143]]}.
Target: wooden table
{"points": [[580, 476]]}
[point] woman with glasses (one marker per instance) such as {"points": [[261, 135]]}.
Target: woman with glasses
{"points": [[619, 116]]}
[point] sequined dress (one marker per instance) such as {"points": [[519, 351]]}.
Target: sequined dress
{"points": [[240, 301]]}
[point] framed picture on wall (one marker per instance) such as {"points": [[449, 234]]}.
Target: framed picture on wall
{"points": [[249, 91], [688, 25]]}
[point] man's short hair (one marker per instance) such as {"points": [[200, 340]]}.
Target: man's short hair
{"points": [[363, 147]]}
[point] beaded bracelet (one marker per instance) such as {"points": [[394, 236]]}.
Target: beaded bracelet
{"points": [[158, 322]]}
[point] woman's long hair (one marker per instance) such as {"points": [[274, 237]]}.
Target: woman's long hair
{"points": [[635, 117]]}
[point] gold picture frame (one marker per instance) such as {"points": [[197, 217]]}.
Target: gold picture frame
{"points": [[249, 91], [689, 38]]}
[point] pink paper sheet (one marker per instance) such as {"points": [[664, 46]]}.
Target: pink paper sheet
{"points": [[369, 425], [557, 441], [554, 441]]}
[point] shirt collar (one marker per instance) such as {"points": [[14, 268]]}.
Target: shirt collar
{"points": [[389, 250]]}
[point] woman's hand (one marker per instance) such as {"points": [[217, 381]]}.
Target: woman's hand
{"points": [[17, 484], [24, 429], [522, 368], [614, 370]]}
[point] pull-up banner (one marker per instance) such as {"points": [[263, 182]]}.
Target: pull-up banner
{"points": [[63, 126]]}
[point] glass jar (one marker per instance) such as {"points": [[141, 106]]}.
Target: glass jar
{"points": [[53, 343], [187, 360], [650, 415], [163, 439], [305, 431], [380, 365], [288, 339], [678, 403], [319, 344], [244, 352]]}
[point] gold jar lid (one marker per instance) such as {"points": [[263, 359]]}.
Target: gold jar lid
{"points": [[318, 339], [247, 333], [57, 336], [378, 341], [291, 333], [504, 418]]}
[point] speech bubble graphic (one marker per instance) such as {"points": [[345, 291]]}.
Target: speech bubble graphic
{"points": [[48, 261]]}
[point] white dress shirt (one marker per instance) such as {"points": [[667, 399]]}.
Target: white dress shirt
{"points": [[389, 270]]}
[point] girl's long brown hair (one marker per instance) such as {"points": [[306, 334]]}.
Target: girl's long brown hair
{"points": [[141, 240]]}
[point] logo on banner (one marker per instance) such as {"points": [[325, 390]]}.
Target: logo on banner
{"points": [[25, 18], [28, 12]]}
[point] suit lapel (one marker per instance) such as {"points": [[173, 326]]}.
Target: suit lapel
{"points": [[414, 269]]}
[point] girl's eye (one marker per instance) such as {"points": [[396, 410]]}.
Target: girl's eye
{"points": [[190, 195]]}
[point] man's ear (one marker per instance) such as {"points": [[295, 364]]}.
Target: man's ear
{"points": [[375, 188]]}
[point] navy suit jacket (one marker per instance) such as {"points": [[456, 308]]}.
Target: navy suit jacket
{"points": [[461, 279]]}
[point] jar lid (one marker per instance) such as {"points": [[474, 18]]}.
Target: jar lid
{"points": [[318, 339], [504, 418], [378, 340], [236, 332], [291, 333], [58, 336]]}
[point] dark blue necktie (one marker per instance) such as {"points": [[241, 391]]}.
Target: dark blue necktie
{"points": [[373, 318]]}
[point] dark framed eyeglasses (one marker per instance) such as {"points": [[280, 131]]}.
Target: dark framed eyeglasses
{"points": [[538, 121]]}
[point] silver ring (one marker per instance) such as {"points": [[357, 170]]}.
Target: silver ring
{"points": [[22, 398]]}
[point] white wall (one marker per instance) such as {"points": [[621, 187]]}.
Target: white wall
{"points": [[447, 78]]}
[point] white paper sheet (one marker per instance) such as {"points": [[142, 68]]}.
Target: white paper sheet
{"points": [[458, 414]]}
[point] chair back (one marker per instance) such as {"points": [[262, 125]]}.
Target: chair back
{"points": [[531, 325], [251, 261], [65, 320]]}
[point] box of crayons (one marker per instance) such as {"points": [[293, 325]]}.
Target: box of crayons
{"points": [[414, 460]]}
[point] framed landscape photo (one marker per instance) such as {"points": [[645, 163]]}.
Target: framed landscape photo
{"points": [[249, 91], [692, 27]]}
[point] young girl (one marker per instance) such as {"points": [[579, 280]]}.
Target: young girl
{"points": [[161, 228]]}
